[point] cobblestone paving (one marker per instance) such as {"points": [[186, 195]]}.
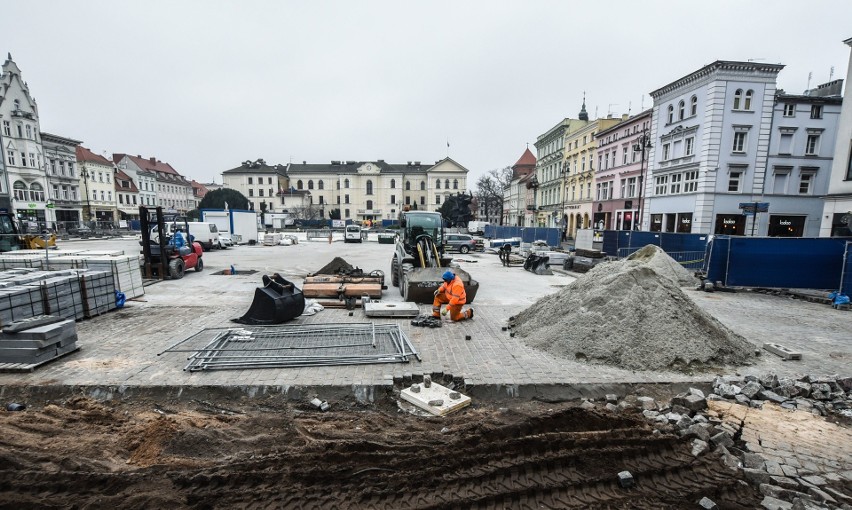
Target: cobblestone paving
{"points": [[120, 349]]}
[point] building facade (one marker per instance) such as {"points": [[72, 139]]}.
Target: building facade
{"points": [[550, 171], [146, 180], [23, 185], [619, 174], [801, 145], [515, 196], [63, 180], [159, 184], [837, 211], [96, 175], [127, 196], [710, 132]]}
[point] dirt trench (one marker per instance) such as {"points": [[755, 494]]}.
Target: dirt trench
{"points": [[82, 453]]}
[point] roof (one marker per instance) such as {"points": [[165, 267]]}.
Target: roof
{"points": [[258, 166], [646, 113], [202, 190], [121, 176], [335, 167], [527, 159], [150, 164], [48, 137], [719, 65], [84, 154]]}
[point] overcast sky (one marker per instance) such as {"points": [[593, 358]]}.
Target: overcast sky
{"points": [[205, 85]]}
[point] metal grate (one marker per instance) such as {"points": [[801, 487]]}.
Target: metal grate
{"points": [[295, 346]]}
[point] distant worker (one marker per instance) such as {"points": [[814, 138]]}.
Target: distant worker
{"points": [[505, 250], [451, 293]]}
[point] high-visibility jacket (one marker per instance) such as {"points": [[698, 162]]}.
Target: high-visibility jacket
{"points": [[454, 291]]}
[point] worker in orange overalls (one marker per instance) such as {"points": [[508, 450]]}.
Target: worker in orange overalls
{"points": [[451, 293]]}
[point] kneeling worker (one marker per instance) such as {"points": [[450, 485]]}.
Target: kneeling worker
{"points": [[451, 293]]}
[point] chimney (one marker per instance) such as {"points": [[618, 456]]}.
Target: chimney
{"points": [[139, 156], [153, 161]]}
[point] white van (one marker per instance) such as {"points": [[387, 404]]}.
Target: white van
{"points": [[205, 233], [352, 234], [477, 227]]}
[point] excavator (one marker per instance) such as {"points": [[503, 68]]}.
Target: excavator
{"points": [[11, 238], [419, 260]]}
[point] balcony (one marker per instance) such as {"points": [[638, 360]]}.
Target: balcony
{"points": [[530, 208], [368, 211]]}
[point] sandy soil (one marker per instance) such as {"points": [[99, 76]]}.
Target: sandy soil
{"points": [[81, 453]]}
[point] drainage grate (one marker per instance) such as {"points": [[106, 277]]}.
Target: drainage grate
{"points": [[295, 346]]}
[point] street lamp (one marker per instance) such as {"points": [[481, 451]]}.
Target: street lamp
{"points": [[642, 143], [534, 184], [84, 173], [564, 218]]}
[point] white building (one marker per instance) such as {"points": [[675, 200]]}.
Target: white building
{"points": [[838, 201], [60, 162], [96, 176], [159, 184], [710, 132]]}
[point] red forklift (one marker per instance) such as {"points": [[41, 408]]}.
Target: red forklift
{"points": [[168, 249]]}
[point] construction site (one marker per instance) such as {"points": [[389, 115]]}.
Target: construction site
{"points": [[309, 372]]}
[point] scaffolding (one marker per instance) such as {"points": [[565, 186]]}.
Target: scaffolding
{"points": [[295, 346]]}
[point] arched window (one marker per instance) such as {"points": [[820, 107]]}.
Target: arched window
{"points": [[299, 184], [393, 183], [20, 190], [681, 110], [693, 109], [738, 98], [447, 183], [407, 185], [320, 185], [311, 184], [370, 204], [455, 184], [346, 183], [338, 184], [437, 183], [422, 185], [671, 114], [369, 189], [748, 97]]}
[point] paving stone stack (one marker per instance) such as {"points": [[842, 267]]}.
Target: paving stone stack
{"points": [[818, 395], [24, 345], [125, 269]]}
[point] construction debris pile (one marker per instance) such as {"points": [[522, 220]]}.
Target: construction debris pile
{"points": [[631, 314]]}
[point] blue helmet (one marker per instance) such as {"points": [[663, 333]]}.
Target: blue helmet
{"points": [[448, 276]]}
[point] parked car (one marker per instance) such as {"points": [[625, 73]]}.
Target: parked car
{"points": [[225, 240], [462, 243], [352, 234]]}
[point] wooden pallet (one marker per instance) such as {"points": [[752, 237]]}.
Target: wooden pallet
{"points": [[6, 368]]}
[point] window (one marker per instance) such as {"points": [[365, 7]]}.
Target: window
{"points": [[589, 190], [624, 156], [7, 128], [689, 146], [56, 191], [690, 181], [606, 190], [805, 183], [321, 201], [346, 183], [20, 131], [738, 98], [437, 183], [393, 184], [816, 111], [600, 161], [674, 187], [748, 96], [407, 187], [393, 199], [347, 213], [779, 182], [23, 159], [422, 200], [109, 196], [260, 192], [693, 106], [251, 180], [661, 184], [29, 131], [10, 157], [311, 184], [734, 181], [103, 196], [739, 142], [370, 205], [269, 180], [338, 185], [681, 110], [271, 193], [369, 189], [251, 192], [338, 199], [407, 200], [671, 114], [812, 147], [666, 151], [455, 184], [631, 187], [346, 199], [785, 144], [437, 199], [299, 184], [789, 110], [447, 184], [320, 184]]}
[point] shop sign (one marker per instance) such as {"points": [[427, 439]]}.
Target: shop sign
{"points": [[51, 205], [31, 205]]}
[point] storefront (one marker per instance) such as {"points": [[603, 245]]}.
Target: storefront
{"points": [[730, 224], [656, 223], [624, 219], [672, 222], [786, 226], [684, 223]]}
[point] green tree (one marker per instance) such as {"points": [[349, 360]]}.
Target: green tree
{"points": [[193, 215], [216, 199], [334, 214]]}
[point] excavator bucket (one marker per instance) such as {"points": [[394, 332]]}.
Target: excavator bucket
{"points": [[278, 301], [420, 284], [34, 242]]}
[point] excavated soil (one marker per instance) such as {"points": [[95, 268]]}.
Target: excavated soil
{"points": [[82, 453]]}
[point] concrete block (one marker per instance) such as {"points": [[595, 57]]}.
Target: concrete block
{"points": [[699, 431], [784, 352], [728, 390], [625, 479], [756, 476], [612, 398], [690, 401], [770, 503], [699, 447], [787, 483], [742, 399], [647, 403], [707, 504], [753, 460], [722, 439], [772, 397]]}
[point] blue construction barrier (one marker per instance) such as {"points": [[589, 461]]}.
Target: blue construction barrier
{"points": [[776, 262], [553, 236], [670, 242], [846, 276]]}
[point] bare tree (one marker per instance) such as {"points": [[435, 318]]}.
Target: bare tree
{"points": [[489, 190], [308, 212]]}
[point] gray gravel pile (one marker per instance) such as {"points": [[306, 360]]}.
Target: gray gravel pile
{"points": [[660, 261], [626, 314]]}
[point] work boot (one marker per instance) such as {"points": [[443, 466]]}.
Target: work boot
{"points": [[470, 313]]}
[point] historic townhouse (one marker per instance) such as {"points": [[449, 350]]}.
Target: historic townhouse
{"points": [[710, 133], [837, 213], [621, 167], [371, 190], [63, 179], [127, 196], [96, 174], [23, 184], [550, 171], [579, 164], [137, 169], [198, 192], [514, 195], [798, 167]]}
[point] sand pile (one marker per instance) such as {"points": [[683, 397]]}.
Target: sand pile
{"points": [[626, 314], [660, 261]]}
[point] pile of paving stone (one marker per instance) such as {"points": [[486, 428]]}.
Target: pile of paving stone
{"points": [[818, 395], [686, 414]]}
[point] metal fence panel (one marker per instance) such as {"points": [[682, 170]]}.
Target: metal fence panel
{"points": [[845, 286]]}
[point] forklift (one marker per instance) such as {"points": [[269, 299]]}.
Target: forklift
{"points": [[167, 248]]}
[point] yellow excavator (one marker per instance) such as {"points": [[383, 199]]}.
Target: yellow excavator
{"points": [[12, 240]]}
